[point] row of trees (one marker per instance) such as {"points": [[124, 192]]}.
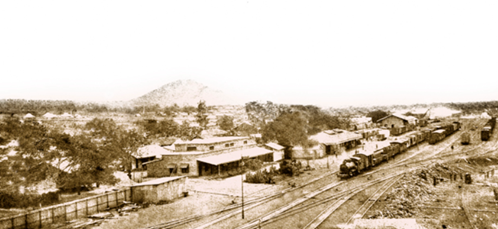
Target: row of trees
{"points": [[292, 125], [40, 107], [71, 161]]}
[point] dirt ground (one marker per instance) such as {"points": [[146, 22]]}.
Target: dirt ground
{"points": [[450, 202], [204, 196]]}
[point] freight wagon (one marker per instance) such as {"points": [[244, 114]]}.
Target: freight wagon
{"points": [[465, 138], [486, 133], [442, 132], [437, 136], [488, 128]]}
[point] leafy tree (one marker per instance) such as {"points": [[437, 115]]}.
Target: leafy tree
{"points": [[288, 129], [376, 115], [161, 129], [201, 116], [225, 123], [320, 120], [113, 148], [245, 129], [186, 132], [260, 113], [38, 147]]}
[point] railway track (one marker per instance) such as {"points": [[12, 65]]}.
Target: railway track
{"points": [[291, 209], [295, 206], [371, 201], [236, 208]]}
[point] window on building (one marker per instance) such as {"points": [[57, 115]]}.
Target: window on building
{"points": [[245, 142], [191, 148], [185, 168], [171, 168], [227, 145], [211, 148], [232, 144]]}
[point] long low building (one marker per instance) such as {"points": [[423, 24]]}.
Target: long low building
{"points": [[330, 142], [201, 157]]}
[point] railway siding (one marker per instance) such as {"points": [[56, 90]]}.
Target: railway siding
{"points": [[372, 200]]}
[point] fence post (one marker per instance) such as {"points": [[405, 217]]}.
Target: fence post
{"points": [[76, 210], [39, 216], [125, 195], [53, 216], [86, 207], [97, 199], [116, 198], [26, 221], [107, 197], [13, 223], [65, 213]]}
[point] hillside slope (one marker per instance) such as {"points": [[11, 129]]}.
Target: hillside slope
{"points": [[185, 92]]}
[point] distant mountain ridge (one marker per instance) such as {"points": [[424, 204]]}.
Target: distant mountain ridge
{"points": [[185, 92]]}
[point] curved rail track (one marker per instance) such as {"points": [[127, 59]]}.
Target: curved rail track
{"points": [[301, 204]]}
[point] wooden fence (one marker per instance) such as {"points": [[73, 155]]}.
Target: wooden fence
{"points": [[44, 217]]}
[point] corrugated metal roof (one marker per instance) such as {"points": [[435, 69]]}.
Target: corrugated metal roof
{"points": [[438, 131], [158, 181], [149, 151], [210, 140], [366, 153], [234, 156], [406, 118], [275, 146], [335, 138]]}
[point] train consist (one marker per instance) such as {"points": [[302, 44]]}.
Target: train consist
{"points": [[488, 128], [442, 132], [367, 159]]}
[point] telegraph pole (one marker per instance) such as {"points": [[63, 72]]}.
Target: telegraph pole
{"points": [[242, 183]]}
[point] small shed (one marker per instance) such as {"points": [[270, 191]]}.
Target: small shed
{"points": [[278, 151], [162, 189]]}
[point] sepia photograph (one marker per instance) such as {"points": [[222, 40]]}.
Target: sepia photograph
{"points": [[248, 114]]}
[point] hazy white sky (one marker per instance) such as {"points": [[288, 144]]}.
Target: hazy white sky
{"points": [[328, 53]]}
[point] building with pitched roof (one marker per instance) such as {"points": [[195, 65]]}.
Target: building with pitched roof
{"points": [[278, 150], [397, 121], [330, 142], [199, 157]]}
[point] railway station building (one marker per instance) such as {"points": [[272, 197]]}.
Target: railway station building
{"points": [[397, 121], [330, 142], [200, 157]]}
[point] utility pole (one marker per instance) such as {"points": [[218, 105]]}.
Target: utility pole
{"points": [[242, 183]]}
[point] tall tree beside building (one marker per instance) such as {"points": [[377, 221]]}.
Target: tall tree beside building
{"points": [[38, 148], [289, 129], [376, 115], [260, 113], [186, 132], [201, 117], [320, 120], [113, 148]]}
